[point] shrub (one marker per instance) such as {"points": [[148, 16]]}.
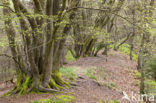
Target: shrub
{"points": [[137, 75], [151, 69]]}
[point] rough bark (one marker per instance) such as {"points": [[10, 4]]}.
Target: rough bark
{"points": [[38, 69]]}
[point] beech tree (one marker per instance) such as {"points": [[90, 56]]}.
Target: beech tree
{"points": [[43, 28]]}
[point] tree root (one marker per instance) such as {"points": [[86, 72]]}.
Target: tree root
{"points": [[58, 79], [43, 89], [27, 86]]}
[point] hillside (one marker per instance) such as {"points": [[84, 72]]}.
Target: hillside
{"points": [[97, 80]]}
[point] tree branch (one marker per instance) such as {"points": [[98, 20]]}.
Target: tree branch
{"points": [[105, 10], [7, 7]]}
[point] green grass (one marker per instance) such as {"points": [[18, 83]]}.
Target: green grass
{"points": [[68, 72], [57, 99], [69, 56], [91, 73]]}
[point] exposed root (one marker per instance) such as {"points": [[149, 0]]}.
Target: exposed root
{"points": [[53, 84], [43, 89], [58, 79], [74, 84], [27, 85]]}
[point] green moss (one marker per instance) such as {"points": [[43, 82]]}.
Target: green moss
{"points": [[20, 88], [58, 79], [69, 56], [57, 99], [54, 85]]}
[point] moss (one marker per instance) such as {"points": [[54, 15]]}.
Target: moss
{"points": [[54, 85], [69, 57], [27, 84], [57, 99], [18, 85], [58, 79]]}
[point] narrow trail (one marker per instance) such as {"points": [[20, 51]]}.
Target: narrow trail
{"points": [[116, 69]]}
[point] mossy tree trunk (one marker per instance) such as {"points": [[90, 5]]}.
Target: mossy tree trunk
{"points": [[38, 58]]}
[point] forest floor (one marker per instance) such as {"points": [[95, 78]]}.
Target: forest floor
{"points": [[98, 79]]}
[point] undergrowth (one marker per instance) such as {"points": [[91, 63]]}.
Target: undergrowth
{"points": [[111, 85], [91, 73], [69, 56], [125, 49], [137, 74], [69, 72], [57, 99], [150, 86]]}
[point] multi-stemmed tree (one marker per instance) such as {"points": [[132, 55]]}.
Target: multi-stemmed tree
{"points": [[42, 28]]}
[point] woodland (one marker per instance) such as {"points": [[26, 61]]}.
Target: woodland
{"points": [[77, 51]]}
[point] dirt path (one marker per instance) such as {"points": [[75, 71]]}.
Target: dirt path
{"points": [[115, 69]]}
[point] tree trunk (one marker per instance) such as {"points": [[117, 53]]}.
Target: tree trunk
{"points": [[38, 69]]}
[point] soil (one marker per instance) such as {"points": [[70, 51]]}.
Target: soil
{"points": [[116, 68]]}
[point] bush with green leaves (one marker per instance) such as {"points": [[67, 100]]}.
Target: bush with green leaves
{"points": [[151, 68], [150, 87]]}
